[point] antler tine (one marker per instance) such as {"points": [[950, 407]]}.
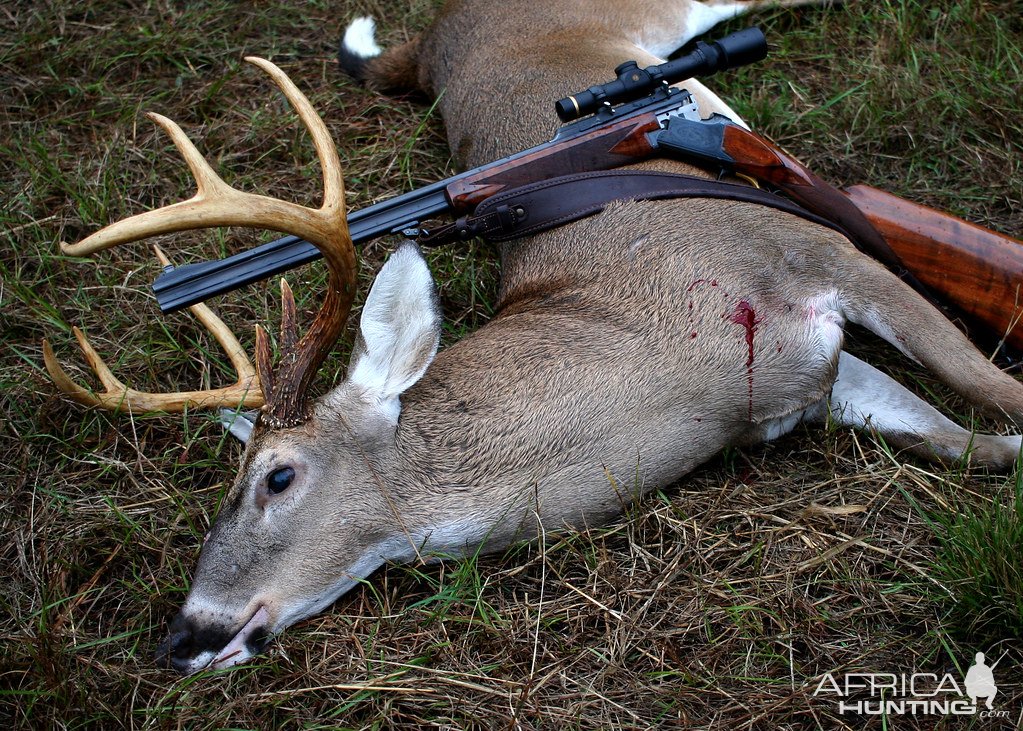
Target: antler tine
{"points": [[114, 388], [116, 396], [323, 143], [286, 394], [221, 333], [289, 330], [218, 204], [214, 204]]}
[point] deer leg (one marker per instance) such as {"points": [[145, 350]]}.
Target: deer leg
{"points": [[659, 28], [667, 27], [864, 397]]}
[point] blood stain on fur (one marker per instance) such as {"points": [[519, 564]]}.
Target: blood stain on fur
{"points": [[696, 283], [745, 315]]}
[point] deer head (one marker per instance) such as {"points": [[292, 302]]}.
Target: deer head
{"points": [[284, 546]]}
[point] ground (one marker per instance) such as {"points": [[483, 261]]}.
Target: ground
{"points": [[723, 602]]}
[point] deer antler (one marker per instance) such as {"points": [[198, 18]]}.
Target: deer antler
{"points": [[246, 390], [218, 204]]}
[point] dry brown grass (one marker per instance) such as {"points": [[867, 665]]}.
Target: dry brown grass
{"points": [[717, 604]]}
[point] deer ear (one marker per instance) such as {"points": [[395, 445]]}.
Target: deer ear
{"points": [[399, 331], [238, 423]]}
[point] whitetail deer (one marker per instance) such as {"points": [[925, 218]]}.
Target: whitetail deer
{"points": [[628, 348]]}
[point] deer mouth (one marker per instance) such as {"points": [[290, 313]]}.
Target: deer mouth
{"points": [[249, 641], [191, 646]]}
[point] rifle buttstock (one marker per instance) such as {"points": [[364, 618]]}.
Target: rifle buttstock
{"points": [[978, 270]]}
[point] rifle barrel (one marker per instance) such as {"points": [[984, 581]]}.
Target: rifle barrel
{"points": [[188, 284]]}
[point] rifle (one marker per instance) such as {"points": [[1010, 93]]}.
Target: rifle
{"points": [[638, 116], [976, 269]]}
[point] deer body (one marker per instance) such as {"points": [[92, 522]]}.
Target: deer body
{"points": [[628, 348]]}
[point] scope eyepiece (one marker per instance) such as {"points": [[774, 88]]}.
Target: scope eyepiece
{"points": [[734, 50]]}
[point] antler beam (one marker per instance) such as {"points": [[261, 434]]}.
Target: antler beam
{"points": [[245, 391], [218, 204]]}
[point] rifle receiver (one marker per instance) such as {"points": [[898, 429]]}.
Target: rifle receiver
{"points": [[738, 49]]}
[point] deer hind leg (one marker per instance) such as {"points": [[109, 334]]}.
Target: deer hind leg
{"points": [[878, 300], [667, 26], [865, 398]]}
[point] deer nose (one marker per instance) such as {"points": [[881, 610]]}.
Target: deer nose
{"points": [[175, 651], [186, 642]]}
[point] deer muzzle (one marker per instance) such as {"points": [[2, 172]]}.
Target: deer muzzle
{"points": [[192, 645]]}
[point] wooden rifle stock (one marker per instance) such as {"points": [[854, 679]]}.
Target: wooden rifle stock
{"points": [[979, 270], [757, 157], [605, 147]]}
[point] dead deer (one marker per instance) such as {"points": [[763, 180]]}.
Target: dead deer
{"points": [[629, 347]]}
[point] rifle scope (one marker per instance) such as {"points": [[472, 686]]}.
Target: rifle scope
{"points": [[734, 50]]}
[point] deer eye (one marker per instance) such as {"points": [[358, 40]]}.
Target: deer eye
{"points": [[279, 480]]}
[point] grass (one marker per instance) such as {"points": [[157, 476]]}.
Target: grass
{"points": [[976, 560], [718, 603]]}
